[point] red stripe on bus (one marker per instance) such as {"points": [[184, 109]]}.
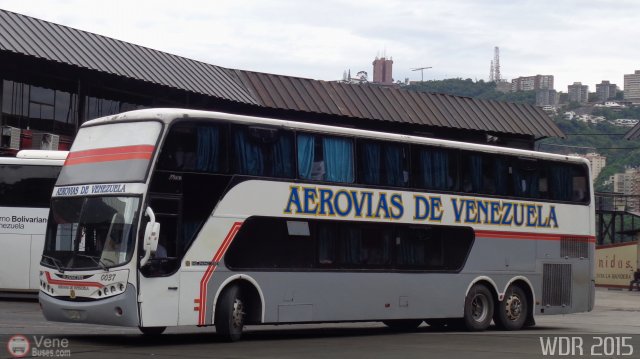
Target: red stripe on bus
{"points": [[110, 154], [71, 282], [211, 268], [108, 158], [111, 151], [535, 236]]}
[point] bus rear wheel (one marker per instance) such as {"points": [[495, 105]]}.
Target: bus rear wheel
{"points": [[230, 314], [403, 325], [511, 312], [478, 308], [152, 331]]}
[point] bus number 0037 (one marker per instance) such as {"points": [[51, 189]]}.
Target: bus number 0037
{"points": [[108, 277]]}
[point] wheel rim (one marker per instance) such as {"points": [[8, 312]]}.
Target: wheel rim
{"points": [[237, 315], [479, 307], [513, 307]]}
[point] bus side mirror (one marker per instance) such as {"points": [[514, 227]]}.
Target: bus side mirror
{"points": [[151, 236]]}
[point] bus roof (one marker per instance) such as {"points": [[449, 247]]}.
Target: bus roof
{"points": [[43, 154], [36, 158], [168, 115]]}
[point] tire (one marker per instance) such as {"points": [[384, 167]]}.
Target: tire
{"points": [[511, 313], [478, 308], [403, 325], [152, 331], [230, 315]]}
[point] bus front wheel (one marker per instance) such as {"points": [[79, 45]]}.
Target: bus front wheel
{"points": [[478, 308], [511, 312], [230, 314]]}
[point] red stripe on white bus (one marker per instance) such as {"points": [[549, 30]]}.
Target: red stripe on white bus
{"points": [[110, 154], [534, 236], [211, 268], [72, 282]]}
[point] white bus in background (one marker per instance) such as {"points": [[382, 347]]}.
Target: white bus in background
{"points": [[26, 183], [166, 217]]}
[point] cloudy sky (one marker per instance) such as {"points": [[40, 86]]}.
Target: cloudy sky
{"points": [[585, 41]]}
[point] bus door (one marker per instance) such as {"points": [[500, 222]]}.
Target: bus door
{"points": [[159, 278]]}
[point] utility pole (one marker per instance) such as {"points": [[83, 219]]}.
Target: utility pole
{"points": [[421, 71]]}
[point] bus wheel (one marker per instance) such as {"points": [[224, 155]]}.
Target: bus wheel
{"points": [[403, 325], [230, 315], [152, 331], [478, 308], [511, 312]]}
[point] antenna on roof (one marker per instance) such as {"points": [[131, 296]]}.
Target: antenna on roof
{"points": [[421, 69]]}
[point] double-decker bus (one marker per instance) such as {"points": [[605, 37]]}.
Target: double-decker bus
{"points": [[168, 217], [26, 183]]}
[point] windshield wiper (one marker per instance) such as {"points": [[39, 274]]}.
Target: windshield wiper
{"points": [[95, 260], [55, 262]]}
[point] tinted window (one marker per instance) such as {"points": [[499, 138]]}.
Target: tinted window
{"points": [[192, 147], [325, 158], [434, 168], [383, 163], [340, 245], [262, 151], [27, 186]]}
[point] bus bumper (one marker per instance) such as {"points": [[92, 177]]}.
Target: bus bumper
{"points": [[121, 310]]}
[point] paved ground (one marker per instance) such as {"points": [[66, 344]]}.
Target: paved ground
{"points": [[617, 315]]}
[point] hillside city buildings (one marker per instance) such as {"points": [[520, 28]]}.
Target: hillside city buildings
{"points": [[632, 87], [578, 93]]}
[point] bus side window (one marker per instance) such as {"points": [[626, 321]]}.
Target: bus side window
{"points": [[383, 163], [433, 168], [263, 151], [325, 158], [194, 148]]}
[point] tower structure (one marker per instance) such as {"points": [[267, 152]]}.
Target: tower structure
{"points": [[491, 74], [496, 64], [382, 70]]}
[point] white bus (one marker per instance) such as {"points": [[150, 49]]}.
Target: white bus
{"points": [[166, 217], [26, 183]]}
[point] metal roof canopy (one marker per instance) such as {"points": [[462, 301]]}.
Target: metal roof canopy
{"points": [[37, 38]]}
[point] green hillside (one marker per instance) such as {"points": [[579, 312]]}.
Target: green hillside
{"points": [[603, 138], [470, 88]]}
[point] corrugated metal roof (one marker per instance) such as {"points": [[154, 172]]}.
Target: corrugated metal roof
{"points": [[398, 105], [41, 39], [45, 40]]}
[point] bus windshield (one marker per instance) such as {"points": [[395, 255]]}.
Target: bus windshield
{"points": [[90, 232]]}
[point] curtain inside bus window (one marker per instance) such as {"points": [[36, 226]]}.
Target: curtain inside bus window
{"points": [[411, 248], [351, 245], [501, 172], [208, 152], [326, 244], [433, 169], [526, 181], [370, 163], [338, 156], [282, 160], [306, 149], [473, 182], [561, 182], [248, 154], [394, 164]]}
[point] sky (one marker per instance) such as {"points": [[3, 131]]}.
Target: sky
{"points": [[576, 41]]}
